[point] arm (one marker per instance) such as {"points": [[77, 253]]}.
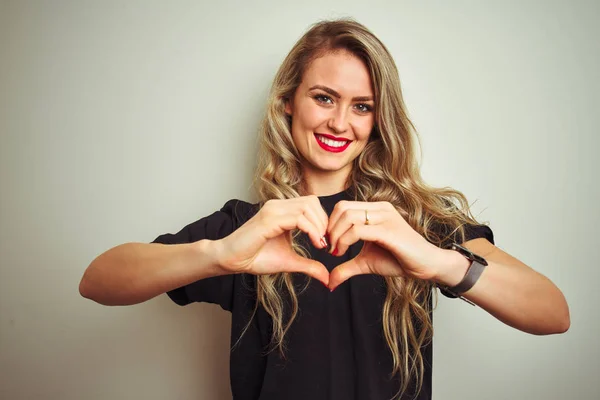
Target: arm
{"points": [[508, 289], [132, 273]]}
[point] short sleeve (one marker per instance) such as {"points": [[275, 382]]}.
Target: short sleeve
{"points": [[479, 231], [472, 231], [219, 289]]}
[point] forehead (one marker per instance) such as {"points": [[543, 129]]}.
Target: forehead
{"points": [[341, 71]]}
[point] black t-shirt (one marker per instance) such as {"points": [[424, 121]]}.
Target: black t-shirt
{"points": [[335, 347]]}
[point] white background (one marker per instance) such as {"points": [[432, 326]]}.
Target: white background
{"points": [[122, 120]]}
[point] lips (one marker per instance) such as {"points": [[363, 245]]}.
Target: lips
{"points": [[332, 140]]}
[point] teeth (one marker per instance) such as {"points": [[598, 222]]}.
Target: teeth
{"points": [[332, 143]]}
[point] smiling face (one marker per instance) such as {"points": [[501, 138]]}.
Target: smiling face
{"points": [[332, 117]]}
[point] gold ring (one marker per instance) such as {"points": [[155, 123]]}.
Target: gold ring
{"points": [[366, 217]]}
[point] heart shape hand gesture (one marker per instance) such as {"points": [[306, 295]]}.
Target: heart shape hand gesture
{"points": [[391, 247]]}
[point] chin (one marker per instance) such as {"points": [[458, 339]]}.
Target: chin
{"points": [[328, 166]]}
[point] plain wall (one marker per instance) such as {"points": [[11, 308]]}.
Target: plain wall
{"points": [[122, 120]]}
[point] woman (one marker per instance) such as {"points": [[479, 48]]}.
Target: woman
{"points": [[341, 201]]}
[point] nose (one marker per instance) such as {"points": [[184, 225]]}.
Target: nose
{"points": [[339, 120]]}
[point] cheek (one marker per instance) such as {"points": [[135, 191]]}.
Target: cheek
{"points": [[304, 121], [363, 129], [310, 116]]}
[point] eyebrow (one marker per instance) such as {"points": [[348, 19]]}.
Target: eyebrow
{"points": [[336, 94]]}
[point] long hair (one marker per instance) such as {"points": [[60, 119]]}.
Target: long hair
{"points": [[386, 170]]}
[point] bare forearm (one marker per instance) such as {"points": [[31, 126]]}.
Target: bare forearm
{"points": [[132, 273], [513, 293]]}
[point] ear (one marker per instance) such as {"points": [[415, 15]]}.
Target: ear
{"points": [[288, 106]]}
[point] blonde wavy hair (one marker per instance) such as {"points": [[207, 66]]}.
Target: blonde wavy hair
{"points": [[387, 170]]}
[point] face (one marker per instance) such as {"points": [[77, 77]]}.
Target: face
{"points": [[332, 114]]}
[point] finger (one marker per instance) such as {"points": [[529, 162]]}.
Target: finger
{"points": [[344, 205], [321, 214], [314, 213], [289, 216], [312, 268], [315, 235], [345, 271], [346, 222], [286, 215], [348, 238], [338, 211]]}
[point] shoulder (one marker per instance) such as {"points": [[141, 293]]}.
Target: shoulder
{"points": [[231, 216], [449, 234], [217, 225], [239, 211], [473, 231]]}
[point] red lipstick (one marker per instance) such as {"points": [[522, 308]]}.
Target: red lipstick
{"points": [[329, 148]]}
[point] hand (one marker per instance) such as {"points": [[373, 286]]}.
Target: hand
{"points": [[391, 246], [263, 244]]}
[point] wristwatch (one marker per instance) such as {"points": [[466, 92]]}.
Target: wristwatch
{"points": [[477, 266]]}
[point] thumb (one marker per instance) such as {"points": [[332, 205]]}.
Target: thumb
{"points": [[297, 263], [343, 272]]}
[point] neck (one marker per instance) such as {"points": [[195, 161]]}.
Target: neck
{"points": [[325, 183]]}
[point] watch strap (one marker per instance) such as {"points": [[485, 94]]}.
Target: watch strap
{"points": [[470, 278], [473, 273]]}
